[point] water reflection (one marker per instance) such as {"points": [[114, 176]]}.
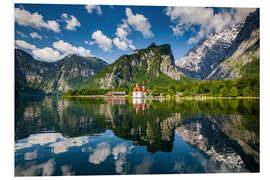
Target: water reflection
{"points": [[101, 153], [81, 136], [138, 104]]}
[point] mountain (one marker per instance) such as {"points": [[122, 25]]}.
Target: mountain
{"points": [[152, 65], [38, 77], [225, 55], [245, 60]]}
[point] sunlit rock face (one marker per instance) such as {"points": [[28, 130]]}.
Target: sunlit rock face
{"points": [[208, 53], [246, 52], [151, 63], [219, 56]]}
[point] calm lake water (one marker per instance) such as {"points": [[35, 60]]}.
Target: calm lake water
{"points": [[97, 136]]}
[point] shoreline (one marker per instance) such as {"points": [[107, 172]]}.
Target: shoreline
{"points": [[162, 97]]}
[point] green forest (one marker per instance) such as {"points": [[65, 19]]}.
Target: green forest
{"points": [[245, 87]]}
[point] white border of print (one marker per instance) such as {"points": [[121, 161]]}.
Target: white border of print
{"points": [[7, 83]]}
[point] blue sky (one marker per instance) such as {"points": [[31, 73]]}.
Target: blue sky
{"points": [[50, 32]]}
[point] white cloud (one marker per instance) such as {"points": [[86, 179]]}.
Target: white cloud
{"points": [[21, 34], [103, 41], [40, 139], [35, 20], [35, 35], [58, 143], [47, 53], [67, 48], [132, 46], [120, 44], [64, 15], [240, 14], [91, 8], [101, 153], [123, 30], [45, 168], [30, 155], [144, 167], [63, 144], [119, 152], [119, 165], [139, 22], [25, 45], [206, 19], [72, 22], [67, 170], [121, 41], [120, 148]]}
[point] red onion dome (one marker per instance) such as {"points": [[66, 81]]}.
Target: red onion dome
{"points": [[143, 84], [134, 89], [143, 89], [138, 89]]}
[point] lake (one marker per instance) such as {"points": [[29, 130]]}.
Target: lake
{"points": [[98, 136]]}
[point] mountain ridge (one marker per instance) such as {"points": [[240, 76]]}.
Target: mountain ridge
{"points": [[154, 64], [53, 77], [231, 54], [207, 56]]}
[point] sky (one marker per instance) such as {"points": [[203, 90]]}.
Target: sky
{"points": [[50, 31]]}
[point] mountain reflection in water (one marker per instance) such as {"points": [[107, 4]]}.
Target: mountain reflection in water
{"points": [[87, 136]]}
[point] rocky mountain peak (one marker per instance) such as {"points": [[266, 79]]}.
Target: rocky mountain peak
{"points": [[203, 58], [149, 64], [152, 45]]}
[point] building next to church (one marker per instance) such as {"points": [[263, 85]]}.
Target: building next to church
{"points": [[114, 93], [139, 92]]}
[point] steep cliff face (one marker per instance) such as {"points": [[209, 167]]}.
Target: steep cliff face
{"points": [[207, 54], [154, 64], [224, 55], [33, 76], [245, 60]]}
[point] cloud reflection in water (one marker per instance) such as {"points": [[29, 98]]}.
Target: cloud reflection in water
{"points": [[101, 153]]}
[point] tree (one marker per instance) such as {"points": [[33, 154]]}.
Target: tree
{"points": [[171, 92], [213, 90], [155, 92], [224, 92], [247, 91], [234, 92]]}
